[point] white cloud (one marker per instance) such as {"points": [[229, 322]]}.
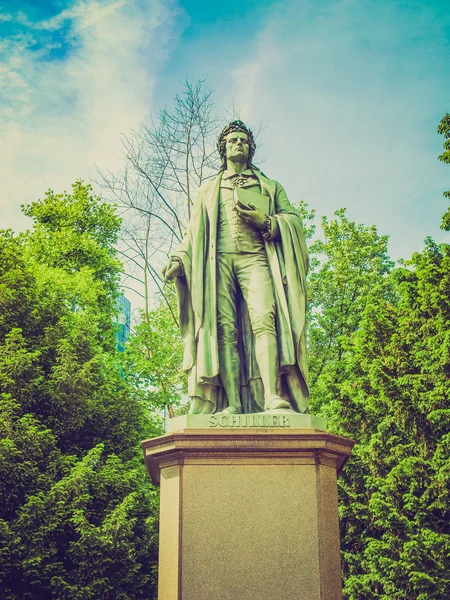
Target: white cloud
{"points": [[351, 93], [62, 116], [85, 12]]}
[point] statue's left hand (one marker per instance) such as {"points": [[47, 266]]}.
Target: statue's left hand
{"points": [[254, 217]]}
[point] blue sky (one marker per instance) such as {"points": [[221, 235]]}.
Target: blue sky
{"points": [[350, 93]]}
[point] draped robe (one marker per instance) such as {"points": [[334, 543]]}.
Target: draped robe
{"points": [[197, 304]]}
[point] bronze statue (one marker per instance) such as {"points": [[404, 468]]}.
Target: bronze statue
{"points": [[240, 275]]}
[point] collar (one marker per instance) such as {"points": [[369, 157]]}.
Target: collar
{"points": [[229, 174]]}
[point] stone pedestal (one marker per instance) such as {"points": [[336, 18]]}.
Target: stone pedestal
{"points": [[248, 508]]}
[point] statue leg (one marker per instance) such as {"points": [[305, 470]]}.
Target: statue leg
{"points": [[253, 275], [229, 363]]}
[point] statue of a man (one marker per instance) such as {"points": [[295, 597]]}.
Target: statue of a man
{"points": [[241, 283]]}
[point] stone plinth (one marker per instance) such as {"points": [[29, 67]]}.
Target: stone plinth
{"points": [[248, 512]]}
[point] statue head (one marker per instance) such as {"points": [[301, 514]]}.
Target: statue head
{"points": [[233, 127]]}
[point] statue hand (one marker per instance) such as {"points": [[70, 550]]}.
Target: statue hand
{"points": [[172, 270], [254, 216]]}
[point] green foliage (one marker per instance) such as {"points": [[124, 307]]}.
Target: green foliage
{"points": [[395, 402], [444, 129], [72, 528], [152, 362], [74, 234], [380, 372], [347, 266], [76, 505], [393, 398]]}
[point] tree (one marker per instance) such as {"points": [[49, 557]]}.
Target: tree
{"points": [[393, 398], [152, 362], [395, 403], [380, 367], [345, 267], [76, 506], [444, 129], [165, 164]]}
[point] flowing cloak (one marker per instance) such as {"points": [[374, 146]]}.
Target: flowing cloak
{"points": [[197, 302]]}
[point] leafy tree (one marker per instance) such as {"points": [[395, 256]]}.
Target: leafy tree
{"points": [[346, 266], [73, 241], [444, 129], [395, 403], [393, 398], [76, 506], [380, 366], [152, 362]]}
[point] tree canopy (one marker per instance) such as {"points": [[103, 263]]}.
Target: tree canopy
{"points": [[389, 390], [77, 511]]}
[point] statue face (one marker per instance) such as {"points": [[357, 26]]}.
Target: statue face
{"points": [[237, 146]]}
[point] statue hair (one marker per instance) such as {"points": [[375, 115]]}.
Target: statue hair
{"points": [[221, 143]]}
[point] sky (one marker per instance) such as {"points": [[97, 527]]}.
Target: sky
{"points": [[349, 93]]}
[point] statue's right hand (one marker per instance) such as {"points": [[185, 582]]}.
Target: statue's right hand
{"points": [[172, 270]]}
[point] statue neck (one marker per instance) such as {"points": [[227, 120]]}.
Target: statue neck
{"points": [[237, 167]]}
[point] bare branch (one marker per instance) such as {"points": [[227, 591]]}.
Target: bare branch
{"points": [[164, 163]]}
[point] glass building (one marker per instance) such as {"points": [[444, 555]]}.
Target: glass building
{"points": [[123, 322]]}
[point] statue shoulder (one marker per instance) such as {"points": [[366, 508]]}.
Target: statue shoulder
{"points": [[268, 181], [206, 187], [279, 189]]}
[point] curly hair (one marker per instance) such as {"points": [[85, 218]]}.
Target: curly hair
{"points": [[221, 143]]}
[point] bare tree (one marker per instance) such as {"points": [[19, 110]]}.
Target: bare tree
{"points": [[165, 164]]}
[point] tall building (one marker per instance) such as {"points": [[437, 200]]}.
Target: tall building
{"points": [[123, 322]]}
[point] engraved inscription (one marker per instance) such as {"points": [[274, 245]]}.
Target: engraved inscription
{"points": [[256, 420]]}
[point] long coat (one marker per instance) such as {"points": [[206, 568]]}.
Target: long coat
{"points": [[197, 302]]}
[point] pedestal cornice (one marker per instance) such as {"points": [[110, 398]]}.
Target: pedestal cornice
{"points": [[244, 446]]}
